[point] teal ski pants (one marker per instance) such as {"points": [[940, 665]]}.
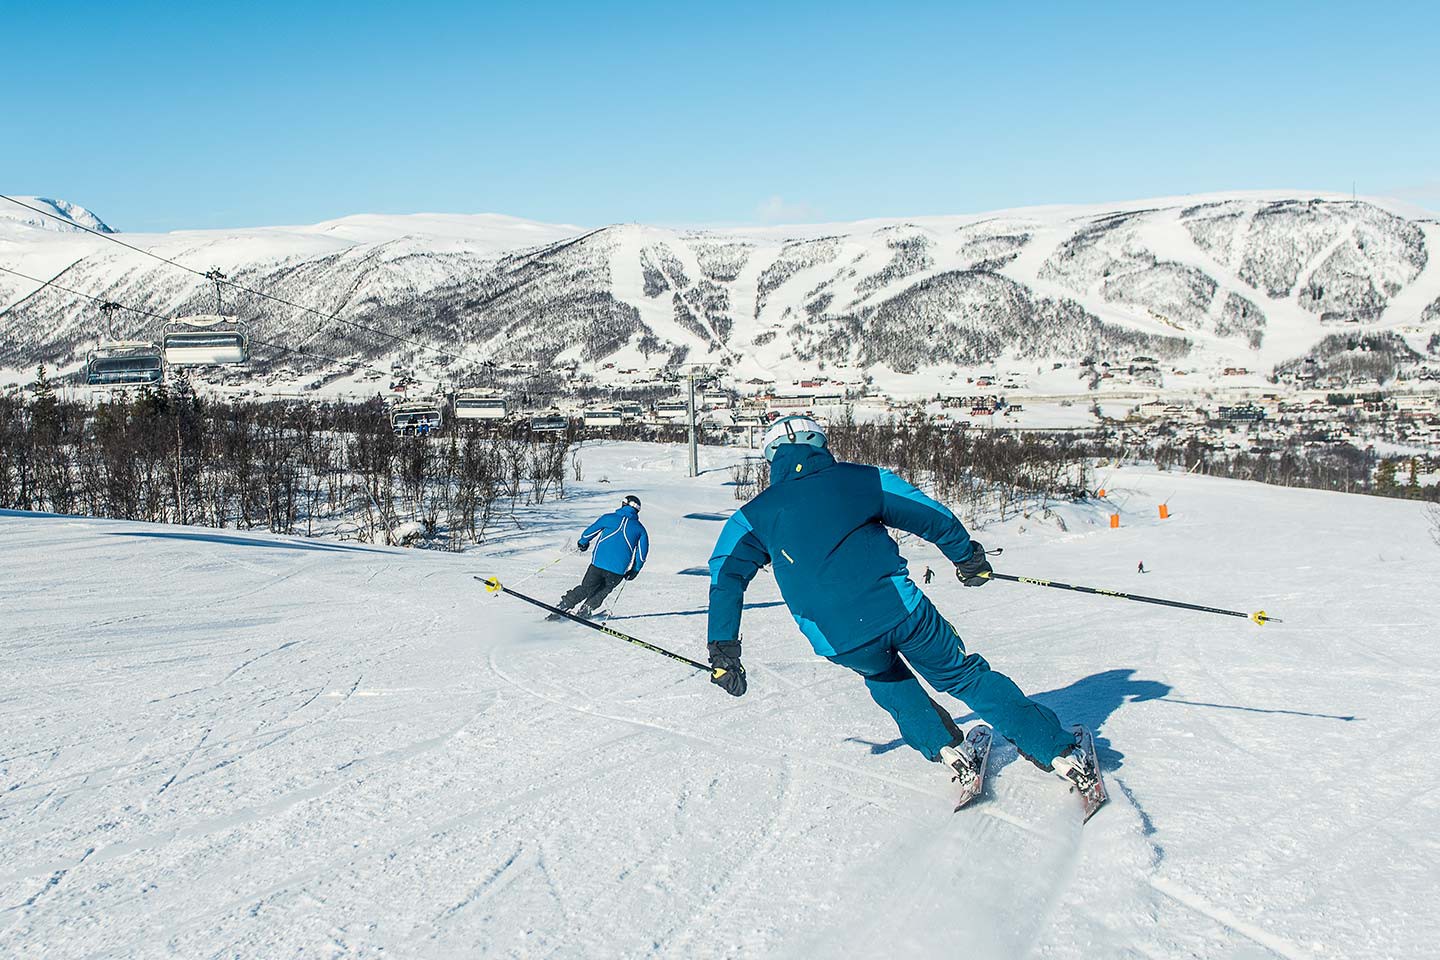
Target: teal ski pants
{"points": [[936, 651]]}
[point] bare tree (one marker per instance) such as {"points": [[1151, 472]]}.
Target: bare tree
{"points": [[164, 455]]}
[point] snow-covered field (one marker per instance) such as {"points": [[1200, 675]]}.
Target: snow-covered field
{"points": [[229, 744]]}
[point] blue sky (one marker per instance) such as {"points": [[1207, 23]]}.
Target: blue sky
{"points": [[165, 116]]}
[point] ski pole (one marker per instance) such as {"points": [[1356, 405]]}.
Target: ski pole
{"points": [[546, 566], [493, 585], [614, 599], [1259, 616]]}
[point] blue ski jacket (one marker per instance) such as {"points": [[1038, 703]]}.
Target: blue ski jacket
{"points": [[822, 524], [623, 542]]}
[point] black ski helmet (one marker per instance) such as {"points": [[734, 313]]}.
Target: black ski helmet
{"points": [[631, 501]]}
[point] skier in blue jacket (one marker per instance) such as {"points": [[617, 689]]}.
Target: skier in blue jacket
{"points": [[621, 545], [822, 524]]}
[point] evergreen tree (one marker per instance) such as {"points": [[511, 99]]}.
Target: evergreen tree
{"points": [[45, 411], [42, 388], [1385, 478]]}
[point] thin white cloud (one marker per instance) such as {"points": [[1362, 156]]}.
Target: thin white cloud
{"points": [[777, 209], [1425, 194]]}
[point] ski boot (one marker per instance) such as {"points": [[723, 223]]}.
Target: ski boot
{"points": [[1074, 767], [968, 758], [1079, 766]]}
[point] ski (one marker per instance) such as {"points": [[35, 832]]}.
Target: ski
{"points": [[973, 755], [1090, 785], [493, 585]]}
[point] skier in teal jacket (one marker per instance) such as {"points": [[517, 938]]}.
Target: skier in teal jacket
{"points": [[822, 524]]}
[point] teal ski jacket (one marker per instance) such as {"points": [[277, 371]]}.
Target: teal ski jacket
{"points": [[822, 525]]}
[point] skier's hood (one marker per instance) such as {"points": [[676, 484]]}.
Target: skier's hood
{"points": [[794, 460]]}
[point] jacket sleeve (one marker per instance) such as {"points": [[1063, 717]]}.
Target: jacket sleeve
{"points": [[600, 525], [906, 508], [738, 556], [642, 548]]}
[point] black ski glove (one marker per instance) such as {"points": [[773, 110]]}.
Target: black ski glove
{"points": [[726, 672], [582, 545], [974, 571], [632, 574]]}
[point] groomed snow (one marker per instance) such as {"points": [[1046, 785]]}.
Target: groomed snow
{"points": [[223, 743]]}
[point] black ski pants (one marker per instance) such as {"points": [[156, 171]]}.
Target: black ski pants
{"points": [[591, 590]]}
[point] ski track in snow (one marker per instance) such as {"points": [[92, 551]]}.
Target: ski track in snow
{"points": [[213, 749]]}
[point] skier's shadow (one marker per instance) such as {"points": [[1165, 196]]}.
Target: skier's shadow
{"points": [[1090, 700]]}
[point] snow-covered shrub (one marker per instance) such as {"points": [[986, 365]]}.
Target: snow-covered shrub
{"points": [[1241, 318], [720, 260], [1348, 356]]}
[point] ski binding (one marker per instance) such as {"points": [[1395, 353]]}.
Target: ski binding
{"points": [[1086, 779], [968, 759]]}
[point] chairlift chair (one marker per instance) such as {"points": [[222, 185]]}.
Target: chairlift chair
{"points": [[607, 417], [479, 405], [205, 340], [123, 363], [419, 417]]}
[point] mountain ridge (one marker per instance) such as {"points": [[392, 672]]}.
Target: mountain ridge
{"points": [[1251, 279]]}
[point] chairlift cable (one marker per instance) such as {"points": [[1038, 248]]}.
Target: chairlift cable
{"points": [[109, 306], [105, 305]]}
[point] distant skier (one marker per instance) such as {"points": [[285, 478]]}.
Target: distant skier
{"points": [[621, 545], [822, 524], [929, 575], [1141, 568]]}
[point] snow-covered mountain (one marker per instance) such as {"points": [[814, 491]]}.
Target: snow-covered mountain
{"points": [[1252, 279], [58, 215]]}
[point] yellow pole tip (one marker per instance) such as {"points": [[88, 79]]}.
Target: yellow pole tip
{"points": [[492, 584], [1259, 617]]}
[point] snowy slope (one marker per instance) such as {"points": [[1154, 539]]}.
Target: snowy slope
{"points": [[1248, 279], [223, 743]]}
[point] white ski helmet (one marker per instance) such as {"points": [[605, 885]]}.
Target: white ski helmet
{"points": [[793, 429]]}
